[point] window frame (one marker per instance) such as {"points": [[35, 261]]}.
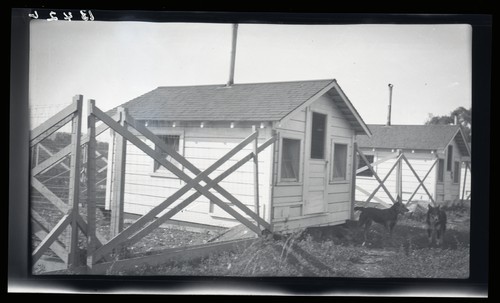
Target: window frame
{"points": [[162, 171], [456, 172], [290, 136], [449, 158], [359, 160], [325, 135], [442, 174], [347, 177]]}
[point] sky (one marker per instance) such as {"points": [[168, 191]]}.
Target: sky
{"points": [[114, 62]]}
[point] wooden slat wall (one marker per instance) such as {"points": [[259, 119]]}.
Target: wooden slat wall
{"points": [[340, 131], [452, 190], [287, 199], [144, 188], [467, 181]]}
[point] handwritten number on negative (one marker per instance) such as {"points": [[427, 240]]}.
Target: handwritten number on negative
{"points": [[53, 16], [84, 15]]}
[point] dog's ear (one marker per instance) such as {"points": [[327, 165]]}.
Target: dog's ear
{"points": [[430, 206], [398, 199]]}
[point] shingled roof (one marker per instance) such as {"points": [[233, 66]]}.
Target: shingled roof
{"points": [[238, 102], [415, 137]]}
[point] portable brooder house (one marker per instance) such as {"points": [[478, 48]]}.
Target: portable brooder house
{"points": [[422, 145], [305, 178]]}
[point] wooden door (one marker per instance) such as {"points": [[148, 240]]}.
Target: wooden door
{"points": [[316, 187], [316, 173]]}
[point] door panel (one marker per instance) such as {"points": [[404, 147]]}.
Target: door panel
{"points": [[316, 188]]}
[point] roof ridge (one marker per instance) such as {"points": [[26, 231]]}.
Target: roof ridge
{"points": [[249, 83]]}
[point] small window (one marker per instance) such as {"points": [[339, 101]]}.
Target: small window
{"points": [[169, 140], [440, 175], [290, 159], [339, 162], [450, 158], [361, 163], [318, 136], [456, 172]]}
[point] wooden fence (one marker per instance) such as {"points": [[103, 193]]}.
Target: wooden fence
{"points": [[98, 251], [398, 165]]}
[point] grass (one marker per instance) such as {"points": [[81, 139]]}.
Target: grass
{"points": [[331, 251], [336, 251], [429, 263]]}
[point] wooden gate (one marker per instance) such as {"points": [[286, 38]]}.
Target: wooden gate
{"points": [[66, 247], [97, 248]]}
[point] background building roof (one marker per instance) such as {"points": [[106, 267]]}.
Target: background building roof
{"points": [[426, 137]]}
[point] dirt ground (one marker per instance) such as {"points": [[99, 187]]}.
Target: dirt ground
{"points": [[330, 251], [337, 251], [408, 247]]}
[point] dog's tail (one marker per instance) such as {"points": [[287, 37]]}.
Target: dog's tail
{"points": [[359, 208]]}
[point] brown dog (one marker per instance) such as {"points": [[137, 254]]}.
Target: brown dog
{"points": [[436, 224], [387, 217]]}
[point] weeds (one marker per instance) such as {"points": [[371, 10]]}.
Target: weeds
{"points": [[429, 263]]}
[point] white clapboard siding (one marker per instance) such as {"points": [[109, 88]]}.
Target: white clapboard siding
{"points": [[188, 215], [451, 190], [145, 188], [465, 184], [294, 125], [338, 197], [339, 188], [287, 191], [339, 193], [338, 132], [288, 199], [338, 207]]}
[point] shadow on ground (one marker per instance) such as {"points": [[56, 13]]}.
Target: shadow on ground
{"points": [[408, 232]]}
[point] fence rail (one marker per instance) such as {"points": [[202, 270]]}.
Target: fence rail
{"points": [[85, 171], [400, 160]]}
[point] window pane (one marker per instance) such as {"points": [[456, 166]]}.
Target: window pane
{"points": [[290, 158], [456, 173], [339, 161], [450, 158], [318, 136], [361, 163], [441, 170], [171, 141]]}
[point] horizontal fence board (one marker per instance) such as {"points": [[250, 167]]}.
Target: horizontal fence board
{"points": [[176, 254]]}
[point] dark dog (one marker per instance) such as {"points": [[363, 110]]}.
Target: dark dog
{"points": [[436, 224], [387, 217]]}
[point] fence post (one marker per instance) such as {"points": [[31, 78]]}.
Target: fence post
{"points": [[353, 177], [109, 172], [91, 184], [37, 151], [74, 183], [274, 174], [118, 166], [465, 180], [399, 177], [256, 172]]}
